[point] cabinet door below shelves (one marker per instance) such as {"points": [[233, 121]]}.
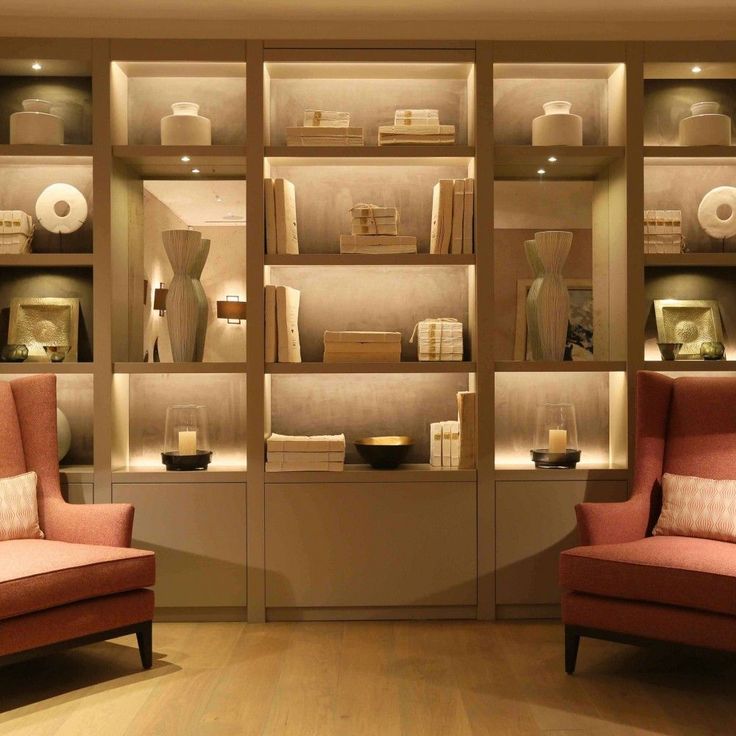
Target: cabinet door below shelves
{"points": [[535, 521], [370, 544], [198, 532], [78, 492]]}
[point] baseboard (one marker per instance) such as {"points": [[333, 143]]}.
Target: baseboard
{"points": [[372, 613], [200, 614], [540, 611]]}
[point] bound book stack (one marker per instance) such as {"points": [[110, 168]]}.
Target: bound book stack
{"points": [[295, 453], [439, 339], [375, 230], [452, 443], [362, 347], [325, 128], [416, 127], [282, 324], [452, 216], [663, 231], [280, 209]]}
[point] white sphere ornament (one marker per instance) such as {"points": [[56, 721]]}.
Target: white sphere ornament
{"points": [[63, 434], [61, 208], [717, 212]]}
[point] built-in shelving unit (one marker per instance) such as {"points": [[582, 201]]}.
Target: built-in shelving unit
{"points": [[237, 541]]}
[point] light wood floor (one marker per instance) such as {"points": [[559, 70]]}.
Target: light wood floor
{"points": [[372, 679]]}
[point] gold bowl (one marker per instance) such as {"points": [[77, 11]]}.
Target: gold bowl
{"points": [[384, 453]]}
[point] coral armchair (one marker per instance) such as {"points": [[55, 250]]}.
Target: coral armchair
{"points": [[82, 582], [624, 584]]}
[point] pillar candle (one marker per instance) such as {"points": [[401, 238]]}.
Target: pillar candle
{"points": [[188, 442], [557, 440]]}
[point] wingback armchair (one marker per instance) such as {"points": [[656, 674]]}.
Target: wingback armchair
{"points": [[82, 582], [624, 584]]}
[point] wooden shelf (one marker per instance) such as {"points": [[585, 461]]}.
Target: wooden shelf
{"points": [[366, 474], [689, 152], [527, 472], [367, 152], [154, 474], [573, 162], [30, 367], [195, 368], [396, 259], [674, 366], [78, 473], [53, 152], [404, 367], [47, 260], [568, 366], [165, 161], [690, 259]]}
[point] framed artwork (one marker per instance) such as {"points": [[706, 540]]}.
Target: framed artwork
{"points": [[39, 321], [689, 321], [580, 326]]}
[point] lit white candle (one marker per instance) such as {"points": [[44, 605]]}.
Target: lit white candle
{"points": [[557, 440], [188, 442]]}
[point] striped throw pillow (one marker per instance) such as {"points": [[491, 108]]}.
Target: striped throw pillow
{"points": [[19, 508]]}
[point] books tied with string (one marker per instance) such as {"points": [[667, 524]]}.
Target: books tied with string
{"points": [[292, 453], [375, 230], [439, 339], [663, 231], [416, 127], [280, 210], [452, 216], [324, 128], [16, 232], [452, 443], [282, 324], [362, 347]]}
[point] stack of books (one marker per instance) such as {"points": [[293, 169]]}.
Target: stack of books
{"points": [[362, 347], [295, 453], [375, 230], [452, 216], [416, 127], [439, 339], [280, 209], [663, 231], [282, 324], [324, 128], [452, 443]]}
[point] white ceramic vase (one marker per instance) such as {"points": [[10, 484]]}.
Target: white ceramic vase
{"points": [[185, 127], [36, 125], [202, 303], [550, 298], [558, 126], [705, 126], [182, 303], [535, 347]]}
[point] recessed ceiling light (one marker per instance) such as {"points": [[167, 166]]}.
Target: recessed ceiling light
{"points": [[36, 66], [696, 69], [541, 171], [195, 171], [552, 159], [185, 159]]}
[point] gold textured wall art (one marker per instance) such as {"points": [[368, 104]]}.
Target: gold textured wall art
{"points": [[39, 321], [690, 322]]}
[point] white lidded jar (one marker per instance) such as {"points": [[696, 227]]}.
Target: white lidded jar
{"points": [[558, 126], [36, 125], [705, 126], [185, 127]]}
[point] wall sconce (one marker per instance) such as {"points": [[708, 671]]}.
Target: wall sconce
{"points": [[232, 309], [159, 298]]}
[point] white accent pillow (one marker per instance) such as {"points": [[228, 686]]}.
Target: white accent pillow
{"points": [[697, 507], [19, 508]]}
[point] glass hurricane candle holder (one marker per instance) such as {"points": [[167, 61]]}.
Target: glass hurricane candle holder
{"points": [[556, 437], [186, 438]]}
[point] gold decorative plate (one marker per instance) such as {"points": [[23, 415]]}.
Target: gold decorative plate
{"points": [[39, 321]]}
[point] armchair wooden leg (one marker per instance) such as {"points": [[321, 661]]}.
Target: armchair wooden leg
{"points": [[145, 644], [572, 643]]}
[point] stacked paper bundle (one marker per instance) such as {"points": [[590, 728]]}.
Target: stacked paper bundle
{"points": [[412, 127], [375, 230], [280, 208], [295, 453], [663, 231], [452, 216], [282, 324], [16, 232], [325, 128], [452, 443], [362, 347], [439, 339]]}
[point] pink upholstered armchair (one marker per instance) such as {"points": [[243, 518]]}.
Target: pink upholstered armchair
{"points": [[624, 584], [81, 583]]}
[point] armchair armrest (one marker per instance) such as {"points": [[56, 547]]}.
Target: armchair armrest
{"points": [[104, 524], [613, 523]]}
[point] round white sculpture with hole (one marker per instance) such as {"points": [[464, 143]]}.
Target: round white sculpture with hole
{"points": [[61, 208], [717, 212], [63, 434]]}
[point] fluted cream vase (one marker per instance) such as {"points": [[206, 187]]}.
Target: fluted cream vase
{"points": [[182, 303], [532, 322], [203, 305]]}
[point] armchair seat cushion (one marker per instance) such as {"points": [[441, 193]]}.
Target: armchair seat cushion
{"points": [[678, 571], [37, 574]]}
